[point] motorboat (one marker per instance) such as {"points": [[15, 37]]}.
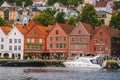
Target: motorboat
{"points": [[85, 62]]}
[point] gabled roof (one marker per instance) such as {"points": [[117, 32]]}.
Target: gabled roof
{"points": [[21, 28], [111, 32], [101, 4], [67, 28], [30, 25], [40, 0], [89, 28], [43, 29], [6, 29]]}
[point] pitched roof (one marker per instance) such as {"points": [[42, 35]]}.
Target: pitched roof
{"points": [[67, 28], [6, 29], [30, 25], [101, 4], [111, 32], [43, 29], [89, 28], [21, 28]]}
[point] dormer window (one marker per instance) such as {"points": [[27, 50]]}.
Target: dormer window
{"points": [[101, 33], [34, 32]]}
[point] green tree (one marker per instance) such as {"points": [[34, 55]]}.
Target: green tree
{"points": [[50, 11], [51, 2], [60, 17], [115, 21], [11, 1], [19, 2], [44, 19], [2, 22], [72, 21], [28, 3], [116, 5], [88, 15]]}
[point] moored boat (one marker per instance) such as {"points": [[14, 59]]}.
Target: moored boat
{"points": [[84, 62]]}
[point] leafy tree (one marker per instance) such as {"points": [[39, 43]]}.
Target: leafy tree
{"points": [[116, 5], [28, 2], [115, 21], [89, 16], [51, 2], [1, 1], [19, 2], [50, 11], [11, 1], [44, 19], [2, 22], [60, 17], [72, 21]]}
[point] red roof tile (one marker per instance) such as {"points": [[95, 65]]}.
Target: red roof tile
{"points": [[101, 4], [111, 32], [21, 28], [6, 29], [43, 29], [89, 28]]}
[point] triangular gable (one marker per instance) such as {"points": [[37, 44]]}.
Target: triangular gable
{"points": [[80, 28]]}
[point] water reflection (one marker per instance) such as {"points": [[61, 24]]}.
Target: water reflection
{"points": [[17, 73]]}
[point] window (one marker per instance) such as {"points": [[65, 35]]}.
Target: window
{"points": [[72, 39], [19, 40], [84, 39], [101, 33], [60, 39], [95, 40], [57, 32], [80, 39], [51, 46], [2, 39], [19, 47], [15, 33], [64, 38], [56, 38], [33, 46], [57, 45], [2, 46], [28, 46], [60, 45], [95, 48], [34, 32], [79, 31], [10, 40], [15, 40], [32, 39], [106, 41], [76, 38], [40, 40], [50, 39], [101, 48], [38, 47], [10, 47], [64, 45], [101, 40], [15, 48], [106, 47], [28, 39]]}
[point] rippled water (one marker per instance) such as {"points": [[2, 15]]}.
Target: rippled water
{"points": [[17, 73]]}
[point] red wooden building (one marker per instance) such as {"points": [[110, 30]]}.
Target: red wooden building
{"points": [[80, 39], [105, 41], [58, 41], [35, 41]]}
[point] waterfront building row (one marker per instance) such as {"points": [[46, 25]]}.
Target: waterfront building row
{"points": [[59, 41]]}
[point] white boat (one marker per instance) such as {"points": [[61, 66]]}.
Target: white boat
{"points": [[85, 62]]}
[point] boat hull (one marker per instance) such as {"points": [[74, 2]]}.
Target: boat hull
{"points": [[81, 65]]}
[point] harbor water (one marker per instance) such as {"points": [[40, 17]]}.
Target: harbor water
{"points": [[18, 73]]}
